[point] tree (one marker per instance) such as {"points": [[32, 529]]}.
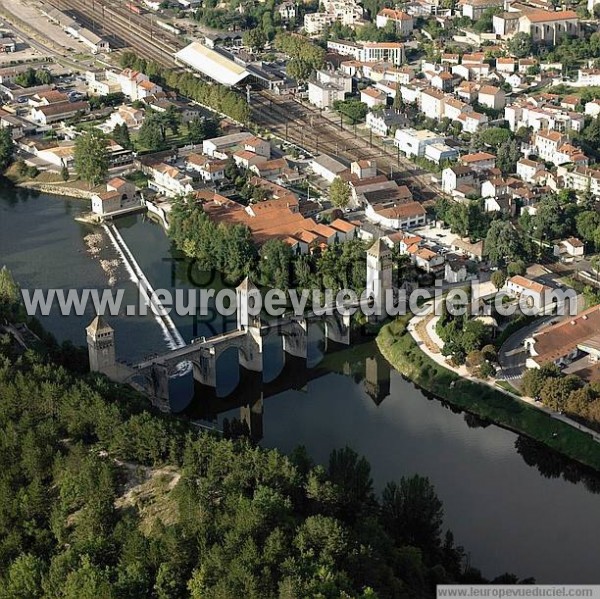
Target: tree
{"points": [[507, 156], [339, 192], [7, 148], [120, 134], [64, 172], [520, 45], [588, 223], [44, 77], [555, 392], [254, 39], [351, 475], [201, 128], [503, 243], [299, 69], [516, 268], [354, 110], [276, 264], [91, 157], [534, 378], [152, 134], [171, 119], [398, 99], [24, 580], [549, 221], [498, 279], [494, 136], [412, 512], [485, 22]]}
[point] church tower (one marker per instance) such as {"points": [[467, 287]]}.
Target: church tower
{"points": [[101, 346], [379, 271]]}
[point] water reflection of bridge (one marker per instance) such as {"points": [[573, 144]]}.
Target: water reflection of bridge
{"points": [[363, 363]]}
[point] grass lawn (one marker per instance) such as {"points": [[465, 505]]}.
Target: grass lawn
{"points": [[508, 387], [400, 349]]}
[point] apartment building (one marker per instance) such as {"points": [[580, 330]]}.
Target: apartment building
{"points": [[392, 52]]}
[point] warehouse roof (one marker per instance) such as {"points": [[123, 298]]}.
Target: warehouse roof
{"points": [[212, 63]]}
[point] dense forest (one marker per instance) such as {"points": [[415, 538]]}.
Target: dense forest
{"points": [[102, 498]]}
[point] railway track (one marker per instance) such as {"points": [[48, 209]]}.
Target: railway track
{"points": [[136, 31], [308, 128]]}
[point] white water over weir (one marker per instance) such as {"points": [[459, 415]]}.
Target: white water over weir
{"points": [[171, 334]]}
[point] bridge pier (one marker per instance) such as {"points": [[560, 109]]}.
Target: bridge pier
{"points": [[160, 384], [337, 328], [251, 351], [295, 338], [205, 368]]}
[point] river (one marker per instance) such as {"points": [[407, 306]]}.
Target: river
{"points": [[514, 505]]}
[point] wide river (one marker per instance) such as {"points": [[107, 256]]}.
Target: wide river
{"points": [[513, 505]]}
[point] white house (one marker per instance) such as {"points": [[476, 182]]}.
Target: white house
{"points": [[506, 65], [432, 103], [402, 216], [327, 167], [119, 194], [455, 271], [492, 97], [209, 170], [479, 161], [536, 295], [569, 248], [527, 169], [328, 87], [455, 176], [381, 122], [472, 121], [169, 180], [287, 11], [373, 97], [403, 22], [134, 85], [425, 258], [593, 108]]}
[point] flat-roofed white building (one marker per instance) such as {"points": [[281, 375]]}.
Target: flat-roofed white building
{"points": [[413, 142], [392, 52]]}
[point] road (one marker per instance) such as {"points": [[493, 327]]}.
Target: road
{"points": [[25, 32], [512, 354]]}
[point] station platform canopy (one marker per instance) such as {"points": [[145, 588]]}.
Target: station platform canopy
{"points": [[211, 63]]}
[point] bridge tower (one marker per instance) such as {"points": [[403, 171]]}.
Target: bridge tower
{"points": [[379, 271], [101, 346], [246, 296], [251, 354]]}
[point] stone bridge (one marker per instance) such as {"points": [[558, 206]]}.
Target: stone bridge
{"points": [[202, 355]]}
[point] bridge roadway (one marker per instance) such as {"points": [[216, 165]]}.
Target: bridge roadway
{"points": [[181, 353]]}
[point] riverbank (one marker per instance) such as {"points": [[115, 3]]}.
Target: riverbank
{"points": [[57, 189], [399, 348]]}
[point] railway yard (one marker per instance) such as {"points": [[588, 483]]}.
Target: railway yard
{"points": [[283, 116]]}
